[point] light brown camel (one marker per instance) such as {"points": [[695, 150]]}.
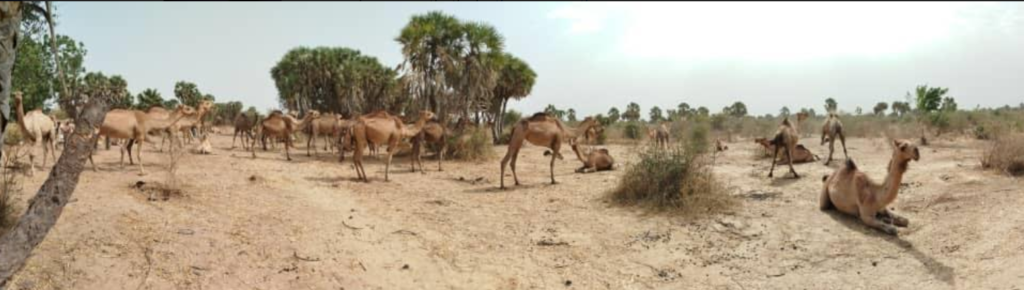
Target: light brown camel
{"points": [[802, 154], [134, 125], [832, 128], [659, 134], [545, 130], [595, 160], [324, 125], [434, 133], [850, 191], [719, 146], [276, 126], [382, 128], [162, 128], [185, 125], [243, 127], [787, 136], [39, 129]]}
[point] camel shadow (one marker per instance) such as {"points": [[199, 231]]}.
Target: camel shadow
{"points": [[784, 181], [935, 268], [508, 188], [330, 180]]}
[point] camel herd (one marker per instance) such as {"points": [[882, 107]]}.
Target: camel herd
{"points": [[847, 189]]}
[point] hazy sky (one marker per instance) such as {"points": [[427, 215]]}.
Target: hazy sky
{"points": [[591, 56]]}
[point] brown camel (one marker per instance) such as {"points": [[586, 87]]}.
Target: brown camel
{"points": [[277, 126], [243, 128], [185, 125], [39, 129], [787, 136], [802, 154], [134, 125], [832, 128], [432, 132], [322, 125], [850, 191], [545, 130], [382, 128], [596, 160], [659, 134]]}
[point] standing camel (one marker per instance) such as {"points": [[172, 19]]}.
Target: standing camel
{"points": [[382, 128], [243, 128], [321, 125], [134, 125], [545, 130], [432, 132], [850, 191], [832, 128], [276, 126], [660, 135], [185, 125], [787, 136], [39, 129]]}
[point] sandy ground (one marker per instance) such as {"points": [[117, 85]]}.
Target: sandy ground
{"points": [[265, 223]]}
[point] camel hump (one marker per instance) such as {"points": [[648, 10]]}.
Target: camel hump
{"points": [[850, 165], [785, 122], [539, 116]]}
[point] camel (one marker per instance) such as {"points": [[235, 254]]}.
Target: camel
{"points": [[204, 146], [719, 146], [278, 125], [787, 136], [64, 129], [590, 136], [802, 154], [159, 113], [596, 160], [382, 128], [243, 128], [432, 132], [186, 124], [850, 191], [39, 129], [134, 125], [659, 135], [832, 128], [541, 129], [322, 125]]}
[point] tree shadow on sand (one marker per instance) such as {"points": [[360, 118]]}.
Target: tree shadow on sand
{"points": [[935, 268]]}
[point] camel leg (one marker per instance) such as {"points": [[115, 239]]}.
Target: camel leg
{"points": [[128, 147], [233, 138], [141, 139], [287, 144], [868, 217], [392, 147], [789, 154], [895, 219], [555, 146], [32, 156], [774, 158], [504, 162], [93, 163], [831, 149], [444, 147], [842, 140]]}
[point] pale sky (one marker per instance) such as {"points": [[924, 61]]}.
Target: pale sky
{"points": [[591, 56]]}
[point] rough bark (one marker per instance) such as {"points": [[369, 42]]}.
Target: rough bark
{"points": [[47, 205], [10, 26], [56, 56]]}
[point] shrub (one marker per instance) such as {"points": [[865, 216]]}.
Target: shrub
{"points": [[10, 187], [1005, 154], [672, 179], [473, 144], [633, 130], [12, 135]]}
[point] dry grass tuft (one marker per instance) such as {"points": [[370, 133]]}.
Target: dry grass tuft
{"points": [[1005, 154], [10, 186], [675, 179], [474, 144]]}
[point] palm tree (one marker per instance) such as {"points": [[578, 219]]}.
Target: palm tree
{"points": [[429, 45], [481, 62], [148, 98], [515, 81]]}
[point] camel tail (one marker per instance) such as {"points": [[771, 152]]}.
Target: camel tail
{"points": [[824, 178], [850, 165]]}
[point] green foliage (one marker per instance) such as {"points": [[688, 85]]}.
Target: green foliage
{"points": [[148, 98], [511, 117], [880, 108], [948, 104], [570, 115], [737, 109], [34, 71], [684, 110], [632, 112], [655, 115], [633, 130], [551, 110], [334, 79], [831, 105], [613, 115], [703, 111], [900, 109], [784, 112], [171, 103], [122, 98], [929, 99], [473, 144], [187, 93]]}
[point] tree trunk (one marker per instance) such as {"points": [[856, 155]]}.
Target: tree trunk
{"points": [[56, 57], [10, 26]]}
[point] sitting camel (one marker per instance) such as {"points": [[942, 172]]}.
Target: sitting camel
{"points": [[382, 128], [832, 128], [850, 191], [39, 129], [787, 136], [801, 153], [541, 129], [596, 160]]}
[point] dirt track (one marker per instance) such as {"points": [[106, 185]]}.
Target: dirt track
{"points": [[270, 224]]}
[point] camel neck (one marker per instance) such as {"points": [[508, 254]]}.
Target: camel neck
{"points": [[21, 117], [575, 148], [893, 178]]}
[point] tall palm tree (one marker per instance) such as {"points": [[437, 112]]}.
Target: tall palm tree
{"points": [[515, 81], [430, 47]]}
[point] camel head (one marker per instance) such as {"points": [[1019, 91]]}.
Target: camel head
{"points": [[427, 115], [801, 116], [904, 151], [184, 110], [205, 106], [764, 142], [17, 96]]}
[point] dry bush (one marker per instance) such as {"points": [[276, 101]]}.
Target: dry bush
{"points": [[473, 144], [1005, 154], [675, 179], [12, 134]]}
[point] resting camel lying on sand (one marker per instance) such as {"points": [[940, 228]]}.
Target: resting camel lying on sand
{"points": [[850, 191], [596, 160], [803, 155]]}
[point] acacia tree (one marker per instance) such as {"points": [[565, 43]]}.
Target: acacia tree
{"points": [[613, 115], [880, 108], [656, 115], [632, 112]]}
